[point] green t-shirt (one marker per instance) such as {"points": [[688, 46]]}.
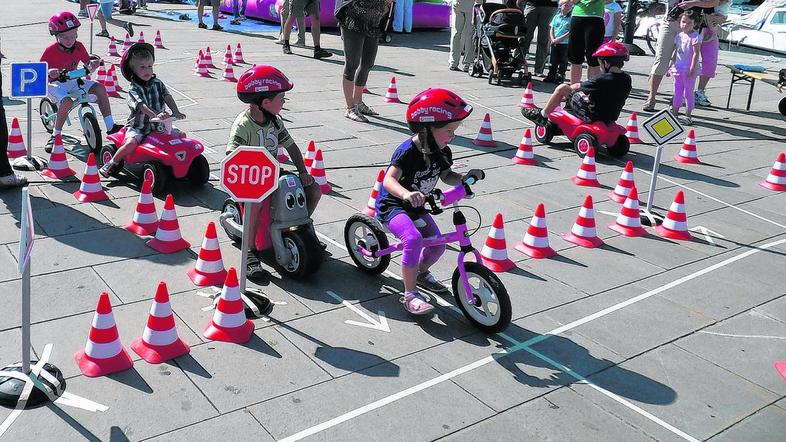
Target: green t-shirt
{"points": [[247, 132], [589, 8]]}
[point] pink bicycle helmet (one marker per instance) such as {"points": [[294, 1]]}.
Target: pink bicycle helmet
{"points": [[260, 82], [612, 51], [437, 106], [63, 21]]}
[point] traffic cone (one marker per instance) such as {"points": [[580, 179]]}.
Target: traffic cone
{"points": [[168, 239], [101, 73], [90, 190], [110, 85], [495, 250], [141, 37], [158, 43], [776, 180], [16, 144], [527, 99], [145, 221], [207, 56], [391, 96], [239, 55], [536, 240], [229, 75], [629, 219], [201, 70], [126, 43], [675, 225], [370, 208], [624, 184], [317, 170], [111, 51], [281, 154], [104, 353], [688, 152], [209, 268], [524, 153], [229, 323], [160, 342], [228, 56], [485, 137], [311, 152], [583, 232], [198, 61], [57, 167], [632, 129], [587, 175], [112, 72]]}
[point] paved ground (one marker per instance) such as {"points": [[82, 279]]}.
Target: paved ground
{"points": [[644, 339]]}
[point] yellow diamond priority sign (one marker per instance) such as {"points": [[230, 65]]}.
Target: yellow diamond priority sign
{"points": [[663, 127]]}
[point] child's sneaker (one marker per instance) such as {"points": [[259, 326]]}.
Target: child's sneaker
{"points": [[12, 180], [321, 53], [114, 129], [535, 116], [415, 304], [108, 169], [429, 282], [701, 99]]}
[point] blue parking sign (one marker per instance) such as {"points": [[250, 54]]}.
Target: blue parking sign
{"points": [[28, 80]]}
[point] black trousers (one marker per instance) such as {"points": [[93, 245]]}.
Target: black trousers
{"points": [[558, 60], [5, 167]]}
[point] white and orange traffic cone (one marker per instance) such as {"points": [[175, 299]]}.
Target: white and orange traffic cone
{"points": [[632, 129], [104, 353], [391, 96], [776, 179], [527, 98], [198, 61], [157, 42], [57, 167], [207, 56], [111, 51], [281, 154], [229, 323], [628, 221], [16, 144], [587, 174], [168, 239], [126, 43], [228, 56], [90, 190], [624, 184], [141, 38], [371, 204], [145, 221], [209, 268], [110, 85], [495, 250], [201, 70], [675, 224], [160, 341], [583, 232], [317, 170], [101, 73], [485, 138], [112, 73], [229, 75], [311, 152], [688, 153], [536, 240], [239, 55], [524, 154]]}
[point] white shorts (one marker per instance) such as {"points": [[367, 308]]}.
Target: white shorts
{"points": [[57, 91]]}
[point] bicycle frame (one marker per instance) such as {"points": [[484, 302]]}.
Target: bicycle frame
{"points": [[80, 100]]}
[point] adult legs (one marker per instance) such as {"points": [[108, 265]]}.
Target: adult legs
{"points": [[467, 41], [315, 29], [407, 15], [531, 23], [5, 166], [398, 17], [456, 35], [668, 30], [544, 15]]}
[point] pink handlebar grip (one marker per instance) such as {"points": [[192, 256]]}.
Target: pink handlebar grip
{"points": [[453, 195]]}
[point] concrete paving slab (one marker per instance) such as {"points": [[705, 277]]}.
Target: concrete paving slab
{"points": [[9, 263], [61, 220], [774, 309], [11, 200], [241, 424], [766, 425], [136, 279]]}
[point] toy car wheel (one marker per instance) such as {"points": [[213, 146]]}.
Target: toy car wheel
{"points": [[105, 155], [544, 134], [583, 142], [782, 106], [92, 131], [362, 231], [199, 172], [620, 147], [47, 109], [158, 174], [231, 210], [299, 244]]}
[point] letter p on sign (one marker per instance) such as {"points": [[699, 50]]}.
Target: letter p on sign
{"points": [[28, 80]]}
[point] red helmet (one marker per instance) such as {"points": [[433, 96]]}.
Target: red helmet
{"points": [[63, 22], [260, 81], [437, 106], [612, 50]]}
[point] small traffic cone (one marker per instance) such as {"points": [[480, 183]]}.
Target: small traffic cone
{"points": [[675, 224], [201, 70], [527, 98], [391, 96], [485, 137], [126, 43], [104, 353], [624, 184], [198, 61], [209, 268], [229, 323], [141, 37], [780, 367], [776, 179], [524, 153], [228, 56], [371, 205], [112, 73], [281, 154], [207, 56], [632, 129], [317, 170], [145, 221], [168, 239], [629, 219], [536, 240], [587, 175], [495, 250], [583, 232], [688, 152], [101, 73], [160, 342], [158, 43], [16, 144], [311, 152], [229, 75], [110, 85], [239, 55], [111, 51], [57, 167], [90, 190]]}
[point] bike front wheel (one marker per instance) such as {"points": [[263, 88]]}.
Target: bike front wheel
{"points": [[653, 33], [491, 310], [92, 132]]}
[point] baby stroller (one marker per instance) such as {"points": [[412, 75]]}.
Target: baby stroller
{"points": [[499, 32]]}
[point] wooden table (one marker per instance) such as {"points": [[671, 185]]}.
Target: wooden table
{"points": [[740, 76]]}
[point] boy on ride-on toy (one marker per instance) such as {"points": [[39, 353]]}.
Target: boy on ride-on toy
{"points": [[147, 98], [65, 55], [598, 99], [418, 163], [263, 87]]}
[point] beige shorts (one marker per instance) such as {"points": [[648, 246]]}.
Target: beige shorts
{"points": [[668, 30]]}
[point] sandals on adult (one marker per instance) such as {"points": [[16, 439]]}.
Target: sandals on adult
{"points": [[366, 109], [103, 33], [355, 115], [415, 304], [12, 180]]}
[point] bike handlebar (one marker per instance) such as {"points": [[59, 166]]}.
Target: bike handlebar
{"points": [[437, 199]]}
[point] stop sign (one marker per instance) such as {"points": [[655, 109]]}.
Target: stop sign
{"points": [[249, 174]]}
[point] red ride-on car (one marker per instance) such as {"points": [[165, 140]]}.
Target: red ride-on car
{"points": [[584, 134]]}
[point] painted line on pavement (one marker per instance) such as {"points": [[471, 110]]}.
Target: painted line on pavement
{"points": [[730, 335], [193, 102]]}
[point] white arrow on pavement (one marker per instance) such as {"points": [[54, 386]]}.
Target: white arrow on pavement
{"points": [[708, 234], [381, 325]]}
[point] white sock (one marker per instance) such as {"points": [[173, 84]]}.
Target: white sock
{"points": [[109, 121], [543, 112], [57, 132]]}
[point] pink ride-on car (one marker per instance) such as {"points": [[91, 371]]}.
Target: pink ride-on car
{"points": [[584, 134]]}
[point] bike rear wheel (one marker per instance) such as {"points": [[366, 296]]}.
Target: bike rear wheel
{"points": [[362, 231], [491, 311]]}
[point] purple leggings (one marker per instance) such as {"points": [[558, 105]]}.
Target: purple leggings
{"points": [[412, 237], [683, 89]]}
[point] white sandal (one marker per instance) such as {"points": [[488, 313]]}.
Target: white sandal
{"points": [[354, 114], [415, 304]]}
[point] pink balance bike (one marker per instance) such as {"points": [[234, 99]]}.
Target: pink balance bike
{"points": [[479, 293], [583, 134]]}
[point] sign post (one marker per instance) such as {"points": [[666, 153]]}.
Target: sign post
{"points": [[662, 127], [29, 80], [92, 10]]}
